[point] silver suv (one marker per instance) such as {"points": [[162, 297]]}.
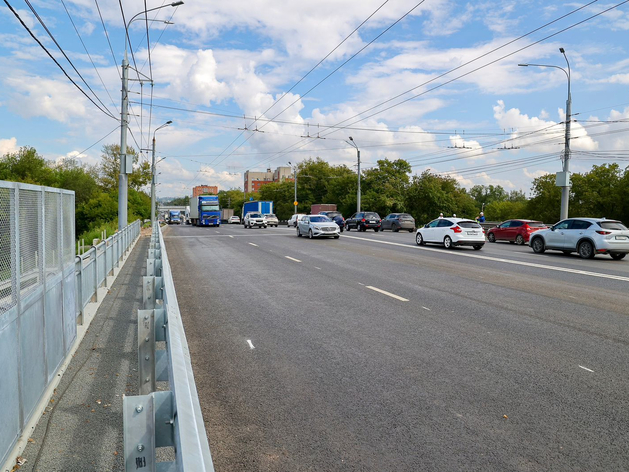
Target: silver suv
{"points": [[587, 236], [254, 219]]}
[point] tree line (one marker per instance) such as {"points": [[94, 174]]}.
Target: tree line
{"points": [[389, 187], [95, 187]]}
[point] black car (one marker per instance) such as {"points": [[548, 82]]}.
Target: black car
{"points": [[336, 217], [363, 220]]}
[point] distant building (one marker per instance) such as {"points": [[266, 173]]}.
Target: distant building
{"points": [[254, 180], [204, 190]]}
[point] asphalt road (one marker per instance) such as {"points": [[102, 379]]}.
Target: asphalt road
{"points": [[369, 353]]}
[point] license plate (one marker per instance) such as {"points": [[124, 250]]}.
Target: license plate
{"points": [[472, 233], [372, 222], [622, 238]]}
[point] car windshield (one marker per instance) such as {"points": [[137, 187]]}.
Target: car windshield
{"points": [[468, 224], [371, 215], [536, 224], [254, 215], [405, 216], [270, 215], [319, 219], [617, 225], [332, 214]]}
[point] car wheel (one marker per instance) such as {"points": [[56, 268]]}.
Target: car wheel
{"points": [[447, 242], [538, 246], [395, 228], [419, 239], [519, 240], [411, 230], [586, 250], [310, 234], [336, 237], [298, 233], [341, 228], [617, 257], [491, 237], [477, 247], [376, 229]]}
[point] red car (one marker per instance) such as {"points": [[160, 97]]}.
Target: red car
{"points": [[514, 231]]}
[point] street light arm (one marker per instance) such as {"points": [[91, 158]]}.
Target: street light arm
{"points": [[547, 65]]}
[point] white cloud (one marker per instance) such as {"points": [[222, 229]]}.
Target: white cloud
{"points": [[8, 146]]}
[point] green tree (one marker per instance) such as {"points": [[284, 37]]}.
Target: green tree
{"points": [[26, 166], [109, 171], [486, 194], [599, 192], [180, 201], [545, 203], [82, 179], [500, 211], [430, 194], [282, 195], [385, 186]]}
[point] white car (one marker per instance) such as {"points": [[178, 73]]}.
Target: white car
{"points": [[587, 236], [254, 219], [294, 219], [233, 219], [452, 232], [316, 226], [271, 219]]}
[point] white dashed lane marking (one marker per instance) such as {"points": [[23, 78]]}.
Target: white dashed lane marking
{"points": [[388, 294], [292, 259]]}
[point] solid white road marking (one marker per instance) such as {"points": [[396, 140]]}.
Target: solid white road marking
{"points": [[389, 294], [230, 236], [318, 268], [498, 259], [254, 244], [426, 308], [250, 344], [585, 368], [361, 284], [292, 258]]}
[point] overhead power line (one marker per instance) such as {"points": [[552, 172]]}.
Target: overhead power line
{"points": [[108, 113]]}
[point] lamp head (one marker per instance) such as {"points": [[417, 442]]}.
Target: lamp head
{"points": [[523, 65], [351, 139], [176, 4], [169, 122], [562, 51]]}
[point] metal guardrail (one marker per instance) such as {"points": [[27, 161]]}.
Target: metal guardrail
{"points": [[170, 418], [93, 267]]}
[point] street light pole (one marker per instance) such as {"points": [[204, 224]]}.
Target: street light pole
{"points": [[563, 178], [295, 179], [353, 143], [126, 166], [153, 175]]}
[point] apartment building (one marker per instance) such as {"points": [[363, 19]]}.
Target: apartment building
{"points": [[254, 179]]}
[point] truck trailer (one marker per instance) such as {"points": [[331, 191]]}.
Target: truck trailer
{"points": [[226, 213], [256, 206], [319, 207]]}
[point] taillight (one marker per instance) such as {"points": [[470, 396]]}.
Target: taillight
{"points": [[363, 220], [604, 232], [457, 229]]}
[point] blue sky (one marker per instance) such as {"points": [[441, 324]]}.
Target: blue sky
{"points": [[228, 65]]}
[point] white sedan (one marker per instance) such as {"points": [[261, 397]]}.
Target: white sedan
{"points": [[317, 226], [234, 219], [452, 232]]}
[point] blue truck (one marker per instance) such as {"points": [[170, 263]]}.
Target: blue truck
{"points": [[174, 217], [208, 210], [257, 207]]}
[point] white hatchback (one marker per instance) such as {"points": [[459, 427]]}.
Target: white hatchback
{"points": [[315, 226], [452, 232]]}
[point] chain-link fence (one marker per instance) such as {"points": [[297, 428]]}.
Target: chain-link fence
{"points": [[44, 288]]}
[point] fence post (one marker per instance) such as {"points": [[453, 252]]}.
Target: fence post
{"points": [[95, 273], [79, 290]]}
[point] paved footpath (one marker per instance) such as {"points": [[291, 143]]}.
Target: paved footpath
{"points": [[81, 429]]}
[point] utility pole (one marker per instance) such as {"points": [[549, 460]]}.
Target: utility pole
{"points": [[353, 143], [125, 168], [563, 178], [295, 179], [154, 175], [565, 181]]}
